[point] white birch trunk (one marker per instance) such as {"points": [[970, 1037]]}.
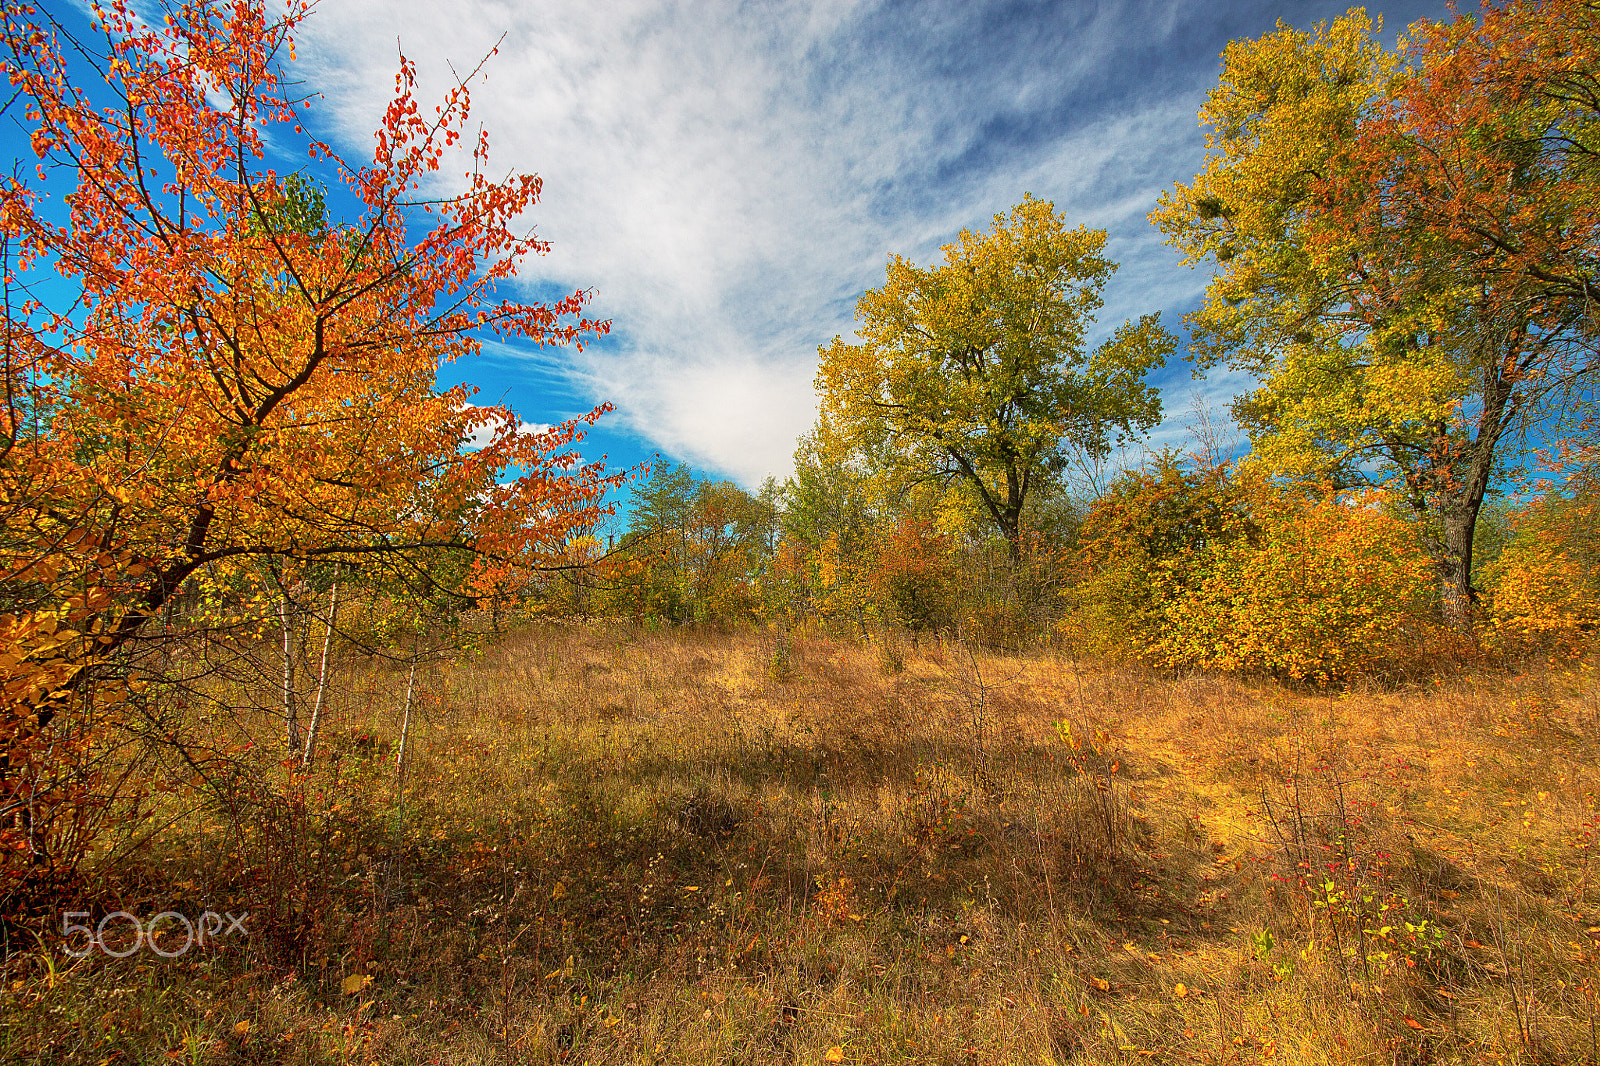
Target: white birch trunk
{"points": [[291, 725], [405, 726], [322, 681]]}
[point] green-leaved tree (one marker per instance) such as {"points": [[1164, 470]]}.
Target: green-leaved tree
{"points": [[979, 371]]}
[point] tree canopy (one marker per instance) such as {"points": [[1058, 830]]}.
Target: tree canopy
{"points": [[233, 375], [978, 371], [1390, 347]]}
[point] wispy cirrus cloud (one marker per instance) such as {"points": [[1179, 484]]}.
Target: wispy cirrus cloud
{"points": [[728, 177]]}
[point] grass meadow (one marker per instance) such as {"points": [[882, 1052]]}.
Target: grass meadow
{"points": [[614, 845]]}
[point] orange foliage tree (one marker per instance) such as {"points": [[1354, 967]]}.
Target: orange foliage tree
{"points": [[229, 375], [913, 576], [1483, 159], [1500, 111]]}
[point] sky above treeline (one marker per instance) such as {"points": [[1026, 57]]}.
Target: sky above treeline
{"points": [[729, 177]]}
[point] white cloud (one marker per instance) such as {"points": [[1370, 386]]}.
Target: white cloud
{"points": [[483, 434], [729, 177]]}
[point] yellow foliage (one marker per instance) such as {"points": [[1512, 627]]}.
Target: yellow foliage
{"points": [[1328, 589], [978, 371], [1218, 571], [1542, 594]]}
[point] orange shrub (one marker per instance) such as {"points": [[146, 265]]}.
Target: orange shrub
{"points": [[913, 578], [1141, 544], [1542, 595]]}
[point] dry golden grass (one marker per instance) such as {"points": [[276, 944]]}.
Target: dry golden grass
{"points": [[620, 846]]}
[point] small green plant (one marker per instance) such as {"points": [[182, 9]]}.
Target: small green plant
{"points": [[1339, 870], [1410, 940], [1262, 946]]}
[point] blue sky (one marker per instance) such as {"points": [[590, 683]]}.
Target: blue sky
{"points": [[728, 177]]}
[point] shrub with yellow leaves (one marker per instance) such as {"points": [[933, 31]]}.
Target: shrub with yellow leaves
{"points": [[1325, 590], [1544, 587]]}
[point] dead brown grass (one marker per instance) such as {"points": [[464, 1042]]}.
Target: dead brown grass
{"points": [[625, 847]]}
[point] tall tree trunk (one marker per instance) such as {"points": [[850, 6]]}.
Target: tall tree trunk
{"points": [[1465, 487], [1016, 496], [1447, 498], [322, 680], [1007, 514], [1012, 531], [1455, 567], [1458, 518]]}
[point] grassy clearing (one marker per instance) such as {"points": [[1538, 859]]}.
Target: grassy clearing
{"points": [[628, 847]]}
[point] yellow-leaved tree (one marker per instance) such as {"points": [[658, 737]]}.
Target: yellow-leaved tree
{"points": [[978, 373], [1394, 348]]}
